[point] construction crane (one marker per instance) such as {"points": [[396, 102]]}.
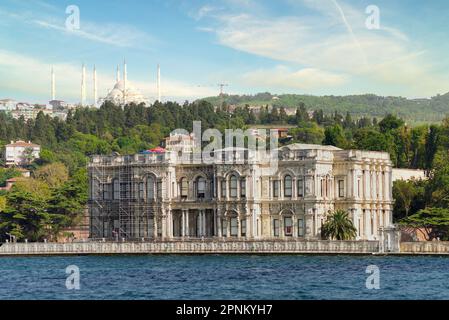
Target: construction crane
{"points": [[221, 85]]}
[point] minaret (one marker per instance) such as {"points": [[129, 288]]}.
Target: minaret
{"points": [[83, 86], [53, 84], [95, 87], [125, 79], [159, 83], [118, 74]]}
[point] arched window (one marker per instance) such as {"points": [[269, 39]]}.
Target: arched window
{"points": [[201, 187], [184, 186], [243, 188], [150, 189], [287, 186], [233, 187], [116, 189]]}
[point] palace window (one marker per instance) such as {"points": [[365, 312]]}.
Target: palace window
{"points": [[125, 190], [106, 191], [234, 227], [184, 188], [276, 188], [233, 187], [212, 189], [141, 191], [243, 188], [159, 189], [300, 227], [150, 189], [341, 188], [287, 186], [224, 227], [300, 188], [201, 188], [116, 191], [276, 227], [243, 227], [288, 226], [223, 188]]}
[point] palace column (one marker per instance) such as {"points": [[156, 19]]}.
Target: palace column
{"points": [[183, 223], [239, 232], [367, 219], [350, 184], [382, 183], [376, 223], [203, 223], [215, 222], [219, 228], [170, 224], [164, 224], [187, 224], [281, 227], [155, 226], [366, 182], [199, 225]]}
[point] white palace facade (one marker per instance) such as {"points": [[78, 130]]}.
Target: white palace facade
{"points": [[160, 197]]}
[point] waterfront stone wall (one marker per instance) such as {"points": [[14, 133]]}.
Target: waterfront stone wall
{"points": [[192, 247], [425, 247]]}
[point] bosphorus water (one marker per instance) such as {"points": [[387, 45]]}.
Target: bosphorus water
{"points": [[294, 277]]}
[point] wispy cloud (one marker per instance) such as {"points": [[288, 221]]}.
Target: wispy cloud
{"points": [[120, 35], [334, 41], [112, 34]]}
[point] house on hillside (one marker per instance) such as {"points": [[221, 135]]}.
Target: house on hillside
{"points": [[21, 153]]}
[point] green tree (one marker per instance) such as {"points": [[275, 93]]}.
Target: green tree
{"points": [[404, 192], [371, 140], [334, 136], [68, 203], [27, 156], [431, 146], [54, 175], [25, 215], [2, 203], [338, 226], [308, 132], [390, 122], [431, 222]]}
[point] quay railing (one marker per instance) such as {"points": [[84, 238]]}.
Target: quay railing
{"points": [[192, 247]]}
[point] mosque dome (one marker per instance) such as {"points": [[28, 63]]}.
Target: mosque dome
{"points": [[118, 96]]}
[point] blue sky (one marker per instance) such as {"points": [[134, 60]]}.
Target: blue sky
{"points": [[318, 47]]}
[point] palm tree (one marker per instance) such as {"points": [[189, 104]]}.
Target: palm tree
{"points": [[338, 226]]}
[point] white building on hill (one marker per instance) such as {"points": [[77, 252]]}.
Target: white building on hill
{"points": [[21, 153]]}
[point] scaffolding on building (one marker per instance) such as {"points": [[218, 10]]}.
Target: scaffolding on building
{"points": [[118, 203]]}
